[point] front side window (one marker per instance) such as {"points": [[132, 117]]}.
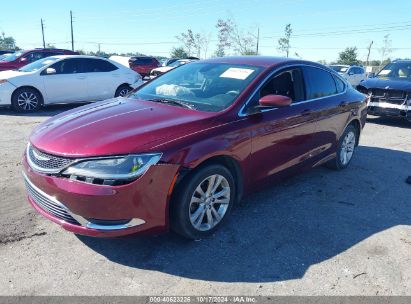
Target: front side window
{"points": [[68, 66], [34, 56], [98, 65], [203, 86], [287, 83], [319, 83]]}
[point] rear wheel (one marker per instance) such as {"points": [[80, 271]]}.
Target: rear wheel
{"points": [[123, 90], [26, 100], [345, 150], [202, 202]]}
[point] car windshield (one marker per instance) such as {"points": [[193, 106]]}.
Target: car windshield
{"points": [[4, 56], [208, 87], [36, 65], [13, 56], [396, 70], [339, 68], [177, 63]]}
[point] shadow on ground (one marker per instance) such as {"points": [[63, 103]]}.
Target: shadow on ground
{"points": [[277, 234], [46, 111], [399, 122]]}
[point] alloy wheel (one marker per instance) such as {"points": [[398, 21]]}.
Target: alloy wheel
{"points": [[347, 148], [209, 202], [124, 92], [27, 101]]}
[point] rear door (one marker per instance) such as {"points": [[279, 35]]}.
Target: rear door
{"points": [[103, 78], [68, 84], [326, 94]]}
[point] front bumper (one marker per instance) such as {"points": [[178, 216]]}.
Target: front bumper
{"points": [[141, 206], [6, 90], [390, 109]]}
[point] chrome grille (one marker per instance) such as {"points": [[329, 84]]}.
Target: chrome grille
{"points": [[389, 96], [48, 204], [46, 163]]}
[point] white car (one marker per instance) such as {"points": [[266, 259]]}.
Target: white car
{"points": [[161, 70], [353, 74], [65, 79]]}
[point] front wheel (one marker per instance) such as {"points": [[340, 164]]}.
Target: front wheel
{"points": [[123, 90], [345, 149], [202, 202], [26, 100]]}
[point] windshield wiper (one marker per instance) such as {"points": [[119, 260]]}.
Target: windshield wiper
{"points": [[172, 101]]}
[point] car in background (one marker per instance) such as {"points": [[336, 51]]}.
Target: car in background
{"points": [[4, 56], [143, 64], [161, 70], [21, 58], [354, 74], [2, 52], [181, 150], [65, 79], [390, 90]]}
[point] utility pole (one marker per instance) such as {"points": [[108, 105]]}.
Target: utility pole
{"points": [[42, 33], [258, 38], [369, 51], [72, 36], [99, 48]]}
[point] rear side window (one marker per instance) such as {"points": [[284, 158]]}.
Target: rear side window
{"points": [[143, 61], [319, 83], [340, 84], [98, 65]]}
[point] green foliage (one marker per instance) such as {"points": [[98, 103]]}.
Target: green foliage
{"points": [[284, 45], [178, 52], [7, 43], [348, 56]]}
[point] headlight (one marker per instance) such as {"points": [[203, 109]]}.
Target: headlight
{"points": [[112, 170]]}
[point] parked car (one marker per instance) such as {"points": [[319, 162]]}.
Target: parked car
{"points": [[161, 70], [21, 58], [390, 90], [182, 149], [169, 61], [65, 79], [354, 74], [2, 52], [143, 64], [4, 56]]}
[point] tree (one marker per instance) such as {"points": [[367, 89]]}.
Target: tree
{"points": [[50, 46], [386, 48], [178, 52], [194, 43], [348, 56], [231, 36], [7, 43], [284, 42]]}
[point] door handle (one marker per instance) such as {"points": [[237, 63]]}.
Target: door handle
{"points": [[81, 77]]}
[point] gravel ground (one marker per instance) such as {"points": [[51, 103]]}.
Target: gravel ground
{"points": [[320, 233]]}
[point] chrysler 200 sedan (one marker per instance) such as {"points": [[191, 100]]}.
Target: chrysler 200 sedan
{"points": [[181, 150]]}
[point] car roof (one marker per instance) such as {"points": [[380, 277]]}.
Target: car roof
{"points": [[77, 56], [262, 61]]}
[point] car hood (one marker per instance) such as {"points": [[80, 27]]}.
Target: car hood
{"points": [[163, 69], [10, 74], [387, 84], [117, 126]]}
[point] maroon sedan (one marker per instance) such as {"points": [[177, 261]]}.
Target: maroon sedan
{"points": [[181, 150]]}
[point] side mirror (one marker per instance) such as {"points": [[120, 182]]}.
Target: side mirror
{"points": [[350, 73], [50, 71], [24, 59], [275, 101]]}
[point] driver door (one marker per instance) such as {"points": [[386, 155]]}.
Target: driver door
{"points": [[68, 84], [282, 137]]}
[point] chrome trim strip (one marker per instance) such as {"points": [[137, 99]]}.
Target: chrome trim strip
{"points": [[241, 112], [83, 221]]}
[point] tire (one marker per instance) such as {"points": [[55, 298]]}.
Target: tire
{"points": [[26, 100], [123, 90], [190, 214], [345, 149]]}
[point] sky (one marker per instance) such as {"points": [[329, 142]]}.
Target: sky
{"points": [[321, 29]]}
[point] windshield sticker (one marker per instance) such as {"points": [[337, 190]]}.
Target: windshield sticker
{"points": [[237, 73], [384, 72]]}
